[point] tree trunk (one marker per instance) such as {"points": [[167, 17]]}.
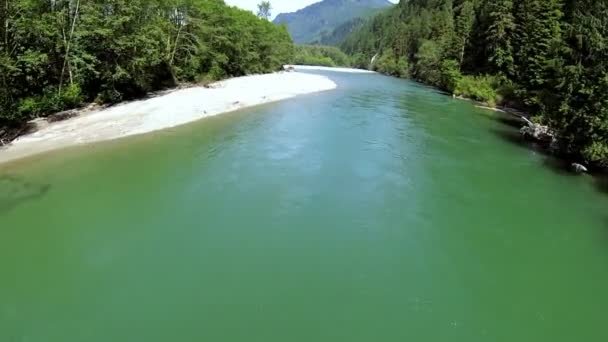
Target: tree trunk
{"points": [[175, 45], [461, 57], [67, 49], [5, 33]]}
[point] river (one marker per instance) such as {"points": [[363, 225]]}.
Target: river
{"points": [[380, 211]]}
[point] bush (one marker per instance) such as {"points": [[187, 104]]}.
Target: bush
{"points": [[360, 61], [479, 88], [597, 152], [321, 55], [506, 92], [450, 74], [52, 101], [391, 65], [428, 63], [71, 96]]}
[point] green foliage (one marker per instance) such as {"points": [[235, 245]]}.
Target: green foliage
{"points": [[428, 62], [463, 23], [264, 10], [576, 104], [55, 55], [479, 88], [538, 36], [450, 75], [549, 57], [360, 61], [392, 65], [50, 101], [499, 35], [320, 55]]}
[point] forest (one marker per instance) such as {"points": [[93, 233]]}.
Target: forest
{"points": [[59, 54], [329, 56], [546, 57]]}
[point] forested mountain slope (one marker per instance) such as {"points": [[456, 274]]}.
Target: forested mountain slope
{"points": [[549, 57], [339, 34], [311, 23], [58, 54]]}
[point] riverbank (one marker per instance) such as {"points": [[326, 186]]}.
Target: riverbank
{"points": [[322, 68], [170, 109]]}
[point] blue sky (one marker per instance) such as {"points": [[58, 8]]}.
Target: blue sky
{"points": [[279, 6]]}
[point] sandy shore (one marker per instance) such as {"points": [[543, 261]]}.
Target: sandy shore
{"points": [[175, 108], [321, 68]]}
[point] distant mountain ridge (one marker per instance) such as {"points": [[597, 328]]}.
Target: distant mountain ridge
{"points": [[319, 20]]}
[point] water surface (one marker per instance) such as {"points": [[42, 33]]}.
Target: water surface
{"points": [[381, 211]]}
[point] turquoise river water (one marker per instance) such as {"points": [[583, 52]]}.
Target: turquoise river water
{"points": [[380, 211]]}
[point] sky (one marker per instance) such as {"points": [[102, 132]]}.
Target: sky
{"points": [[278, 6]]}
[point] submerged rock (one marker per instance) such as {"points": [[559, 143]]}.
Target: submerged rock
{"points": [[14, 190]]}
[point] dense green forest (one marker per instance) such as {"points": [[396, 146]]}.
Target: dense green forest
{"points": [[329, 56], [548, 57], [57, 54]]}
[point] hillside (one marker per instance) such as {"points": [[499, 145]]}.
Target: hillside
{"points": [[340, 33], [318, 20]]}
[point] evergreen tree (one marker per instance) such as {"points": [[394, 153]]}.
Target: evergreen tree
{"points": [[463, 23], [499, 35], [537, 39], [580, 113]]}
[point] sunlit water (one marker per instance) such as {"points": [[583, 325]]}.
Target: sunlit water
{"points": [[381, 211]]}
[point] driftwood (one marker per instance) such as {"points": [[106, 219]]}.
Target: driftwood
{"points": [[537, 131], [578, 168]]}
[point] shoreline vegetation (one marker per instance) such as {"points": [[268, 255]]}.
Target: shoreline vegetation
{"points": [[545, 58], [320, 55], [59, 55], [169, 109]]}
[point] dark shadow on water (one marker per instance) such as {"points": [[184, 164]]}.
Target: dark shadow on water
{"points": [[601, 183], [514, 137], [505, 119], [509, 120], [557, 165], [510, 133], [603, 233], [561, 166], [15, 190]]}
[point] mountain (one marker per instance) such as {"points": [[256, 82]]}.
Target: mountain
{"points": [[319, 20], [340, 33]]}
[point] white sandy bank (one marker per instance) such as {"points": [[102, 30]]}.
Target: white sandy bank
{"points": [[175, 108], [312, 67]]}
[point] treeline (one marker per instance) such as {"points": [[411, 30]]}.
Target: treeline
{"points": [[329, 56], [57, 54], [548, 57]]}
